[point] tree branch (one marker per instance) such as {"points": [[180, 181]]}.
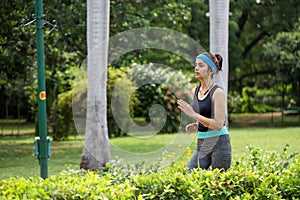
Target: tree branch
{"points": [[254, 42], [242, 22], [250, 74]]}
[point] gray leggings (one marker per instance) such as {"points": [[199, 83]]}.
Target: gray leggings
{"points": [[214, 151]]}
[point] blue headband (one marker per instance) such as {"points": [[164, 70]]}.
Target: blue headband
{"points": [[208, 61]]}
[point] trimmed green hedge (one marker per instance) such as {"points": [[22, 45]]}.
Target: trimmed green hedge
{"points": [[259, 175]]}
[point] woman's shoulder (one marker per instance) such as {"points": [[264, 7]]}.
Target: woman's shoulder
{"points": [[218, 91], [217, 88]]}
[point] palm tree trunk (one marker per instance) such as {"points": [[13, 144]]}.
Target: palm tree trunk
{"points": [[96, 151], [218, 20]]}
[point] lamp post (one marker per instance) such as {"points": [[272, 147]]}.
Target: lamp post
{"points": [[42, 116]]}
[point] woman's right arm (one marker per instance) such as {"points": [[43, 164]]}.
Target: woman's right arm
{"points": [[193, 127]]}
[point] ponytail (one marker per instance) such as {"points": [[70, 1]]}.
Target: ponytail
{"points": [[218, 61]]}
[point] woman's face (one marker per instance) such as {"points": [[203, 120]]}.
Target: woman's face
{"points": [[201, 69]]}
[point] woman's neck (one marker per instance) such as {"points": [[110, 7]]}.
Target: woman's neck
{"points": [[205, 84]]}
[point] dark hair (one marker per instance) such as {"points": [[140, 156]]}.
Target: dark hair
{"points": [[217, 59]]}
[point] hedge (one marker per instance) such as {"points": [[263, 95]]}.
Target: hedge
{"points": [[259, 175]]}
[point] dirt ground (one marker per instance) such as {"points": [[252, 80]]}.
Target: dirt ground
{"points": [[259, 119]]}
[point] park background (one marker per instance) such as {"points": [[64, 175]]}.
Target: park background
{"points": [[263, 84]]}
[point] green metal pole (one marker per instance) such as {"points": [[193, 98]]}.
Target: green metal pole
{"points": [[42, 116]]}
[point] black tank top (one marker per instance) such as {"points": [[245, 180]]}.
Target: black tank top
{"points": [[204, 107]]}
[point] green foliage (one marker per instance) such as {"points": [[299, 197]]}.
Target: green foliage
{"points": [[263, 41], [284, 50], [163, 86], [253, 100], [248, 99], [120, 96], [16, 58], [64, 122], [170, 14], [127, 15], [198, 28], [64, 49], [254, 24], [259, 175], [60, 112], [234, 102]]}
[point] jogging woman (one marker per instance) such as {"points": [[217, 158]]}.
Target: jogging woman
{"points": [[208, 111]]}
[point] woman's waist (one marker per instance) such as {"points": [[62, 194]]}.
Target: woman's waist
{"points": [[212, 133]]}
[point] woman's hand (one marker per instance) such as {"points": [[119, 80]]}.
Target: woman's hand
{"points": [[190, 128], [186, 108]]}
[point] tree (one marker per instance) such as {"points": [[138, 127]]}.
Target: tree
{"points": [[219, 17], [170, 14], [96, 150], [64, 48], [253, 24], [17, 48], [283, 53]]}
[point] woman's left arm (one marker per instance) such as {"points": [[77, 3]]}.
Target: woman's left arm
{"points": [[218, 100], [216, 123]]}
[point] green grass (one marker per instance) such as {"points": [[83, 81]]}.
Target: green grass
{"points": [[273, 139], [16, 157], [16, 127], [16, 154]]}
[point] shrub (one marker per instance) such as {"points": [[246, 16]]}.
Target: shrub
{"points": [[253, 100], [162, 86], [120, 95], [64, 125], [260, 175], [64, 122]]}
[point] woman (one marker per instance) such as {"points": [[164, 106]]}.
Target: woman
{"points": [[208, 110]]}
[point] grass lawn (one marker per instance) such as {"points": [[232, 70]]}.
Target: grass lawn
{"points": [[16, 154], [16, 157], [272, 139]]}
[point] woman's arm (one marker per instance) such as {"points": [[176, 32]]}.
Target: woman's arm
{"points": [[218, 100]]}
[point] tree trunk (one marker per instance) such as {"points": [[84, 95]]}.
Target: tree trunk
{"points": [[218, 20], [96, 151]]}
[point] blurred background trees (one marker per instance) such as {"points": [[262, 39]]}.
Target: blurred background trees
{"points": [[264, 52]]}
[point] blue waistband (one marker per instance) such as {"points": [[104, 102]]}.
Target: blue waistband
{"points": [[213, 133]]}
